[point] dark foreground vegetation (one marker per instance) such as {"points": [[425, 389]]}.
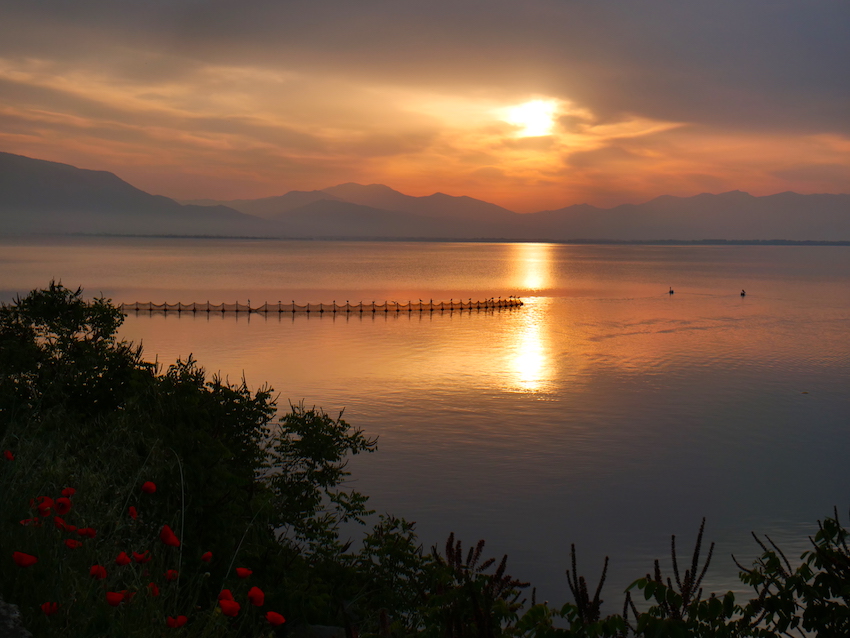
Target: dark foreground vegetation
{"points": [[142, 502]]}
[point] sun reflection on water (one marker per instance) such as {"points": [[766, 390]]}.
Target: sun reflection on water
{"points": [[531, 363], [531, 356], [532, 266]]}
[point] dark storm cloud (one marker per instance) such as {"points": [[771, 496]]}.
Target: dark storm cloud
{"points": [[767, 65]]}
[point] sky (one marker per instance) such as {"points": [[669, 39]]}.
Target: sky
{"points": [[531, 104]]}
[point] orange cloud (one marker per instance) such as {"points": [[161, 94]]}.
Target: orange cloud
{"points": [[242, 131]]}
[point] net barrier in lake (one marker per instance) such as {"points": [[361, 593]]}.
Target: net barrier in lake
{"points": [[280, 308]]}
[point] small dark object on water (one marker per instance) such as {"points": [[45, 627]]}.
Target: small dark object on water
{"points": [[671, 290], [743, 293]]}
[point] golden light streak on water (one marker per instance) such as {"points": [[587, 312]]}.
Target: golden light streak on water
{"points": [[531, 363]]}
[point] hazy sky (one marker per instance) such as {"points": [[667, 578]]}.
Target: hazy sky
{"points": [[530, 104]]}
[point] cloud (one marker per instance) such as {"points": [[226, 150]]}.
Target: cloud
{"points": [[251, 98]]}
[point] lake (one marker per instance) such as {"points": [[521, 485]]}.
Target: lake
{"points": [[605, 412]]}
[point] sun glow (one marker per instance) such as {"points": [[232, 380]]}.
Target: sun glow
{"points": [[537, 117]]}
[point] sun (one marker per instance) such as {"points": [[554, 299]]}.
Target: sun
{"points": [[535, 117]]}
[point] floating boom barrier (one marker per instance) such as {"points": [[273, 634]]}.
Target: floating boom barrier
{"points": [[280, 308]]}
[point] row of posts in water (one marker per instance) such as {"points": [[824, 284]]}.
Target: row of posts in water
{"points": [[322, 308]]}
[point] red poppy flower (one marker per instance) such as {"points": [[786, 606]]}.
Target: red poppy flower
{"points": [[45, 505], [133, 513], [275, 618], [97, 572], [206, 557], [243, 572], [122, 559], [69, 492], [144, 557], [225, 595], [114, 598], [24, 560], [149, 487], [8, 454], [256, 596], [62, 505], [174, 623], [171, 574], [168, 537], [153, 589], [70, 543], [31, 521], [49, 608], [88, 532], [229, 607], [60, 523]]}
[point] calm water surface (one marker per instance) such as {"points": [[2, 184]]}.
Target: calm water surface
{"points": [[604, 413]]}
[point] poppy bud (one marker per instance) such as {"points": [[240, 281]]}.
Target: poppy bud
{"points": [[122, 559], [62, 505], [243, 572], [133, 513], [174, 623], [49, 608], [149, 487], [70, 543], [24, 560], [98, 572], [229, 607], [275, 618], [256, 596]]}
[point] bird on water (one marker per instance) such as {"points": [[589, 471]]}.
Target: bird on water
{"points": [[671, 290], [743, 293]]}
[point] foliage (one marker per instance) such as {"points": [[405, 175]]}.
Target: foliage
{"points": [[304, 468], [59, 351], [467, 602], [81, 408]]}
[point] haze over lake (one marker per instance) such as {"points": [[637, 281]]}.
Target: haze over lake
{"points": [[605, 412]]}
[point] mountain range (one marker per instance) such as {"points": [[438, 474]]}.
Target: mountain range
{"points": [[37, 196]]}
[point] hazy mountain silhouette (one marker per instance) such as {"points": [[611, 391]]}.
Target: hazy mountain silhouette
{"points": [[336, 219], [438, 205], [271, 207], [332, 218], [734, 215], [37, 196], [48, 197]]}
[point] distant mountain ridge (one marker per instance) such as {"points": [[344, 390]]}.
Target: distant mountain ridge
{"points": [[38, 196]]}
